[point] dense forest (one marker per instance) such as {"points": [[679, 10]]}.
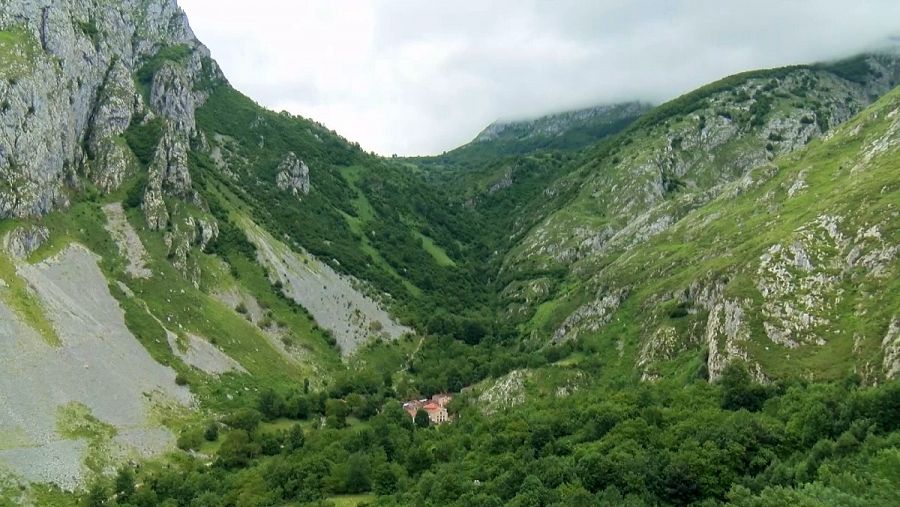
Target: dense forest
{"points": [[735, 442]]}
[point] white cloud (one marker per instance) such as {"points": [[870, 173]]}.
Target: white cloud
{"points": [[420, 77]]}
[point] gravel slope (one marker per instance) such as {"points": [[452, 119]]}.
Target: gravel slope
{"points": [[331, 298], [203, 355], [100, 365], [128, 241]]}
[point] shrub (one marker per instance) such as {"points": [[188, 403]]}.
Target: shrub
{"points": [[144, 138], [244, 419], [190, 439], [211, 433], [135, 196]]}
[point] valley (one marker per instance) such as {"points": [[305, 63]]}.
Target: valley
{"points": [[204, 302]]}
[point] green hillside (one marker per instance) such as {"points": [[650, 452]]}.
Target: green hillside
{"points": [[206, 303]]}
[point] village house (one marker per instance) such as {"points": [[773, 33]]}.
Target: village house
{"points": [[436, 408]]}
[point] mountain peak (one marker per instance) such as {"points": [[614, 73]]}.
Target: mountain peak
{"points": [[556, 125]]}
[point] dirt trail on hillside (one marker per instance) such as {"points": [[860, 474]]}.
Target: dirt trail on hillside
{"points": [[128, 241]]}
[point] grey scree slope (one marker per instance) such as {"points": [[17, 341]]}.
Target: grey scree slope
{"points": [[100, 365], [330, 297]]}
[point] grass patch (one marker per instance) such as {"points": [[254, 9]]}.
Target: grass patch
{"points": [[351, 500], [18, 51], [24, 303], [439, 254], [74, 421]]}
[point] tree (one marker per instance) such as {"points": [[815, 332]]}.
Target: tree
{"points": [[124, 484], [271, 404], [336, 410], [418, 460], [211, 433], [739, 390], [295, 438], [422, 420], [358, 474], [385, 480], [237, 449], [245, 419]]}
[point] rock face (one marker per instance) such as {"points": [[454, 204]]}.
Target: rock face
{"points": [[116, 104], [293, 175], [67, 78], [891, 346], [22, 241], [168, 175]]}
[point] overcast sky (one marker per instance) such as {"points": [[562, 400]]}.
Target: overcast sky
{"points": [[422, 76]]}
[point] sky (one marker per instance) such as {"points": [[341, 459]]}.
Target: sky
{"points": [[418, 77]]}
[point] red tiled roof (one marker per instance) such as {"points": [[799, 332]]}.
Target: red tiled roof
{"points": [[432, 406]]}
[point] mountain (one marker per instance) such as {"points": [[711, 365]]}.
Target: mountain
{"points": [[569, 131], [203, 302], [664, 170]]}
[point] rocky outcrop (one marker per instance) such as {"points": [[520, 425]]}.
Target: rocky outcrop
{"points": [[293, 175], [172, 97], [506, 392], [503, 183], [116, 105], [22, 241], [185, 233], [591, 316], [556, 125], [167, 175], [726, 330], [891, 347]]}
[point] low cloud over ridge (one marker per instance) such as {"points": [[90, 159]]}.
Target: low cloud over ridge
{"points": [[412, 77]]}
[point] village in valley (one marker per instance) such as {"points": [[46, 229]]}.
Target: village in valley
{"points": [[436, 408]]}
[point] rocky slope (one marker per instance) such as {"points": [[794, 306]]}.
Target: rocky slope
{"points": [[95, 366], [568, 131], [666, 232]]}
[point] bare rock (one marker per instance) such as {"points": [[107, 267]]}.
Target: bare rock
{"points": [[293, 175], [22, 241], [891, 347]]}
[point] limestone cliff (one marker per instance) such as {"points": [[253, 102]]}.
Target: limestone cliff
{"points": [[74, 76]]}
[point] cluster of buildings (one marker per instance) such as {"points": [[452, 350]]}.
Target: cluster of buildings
{"points": [[436, 408]]}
